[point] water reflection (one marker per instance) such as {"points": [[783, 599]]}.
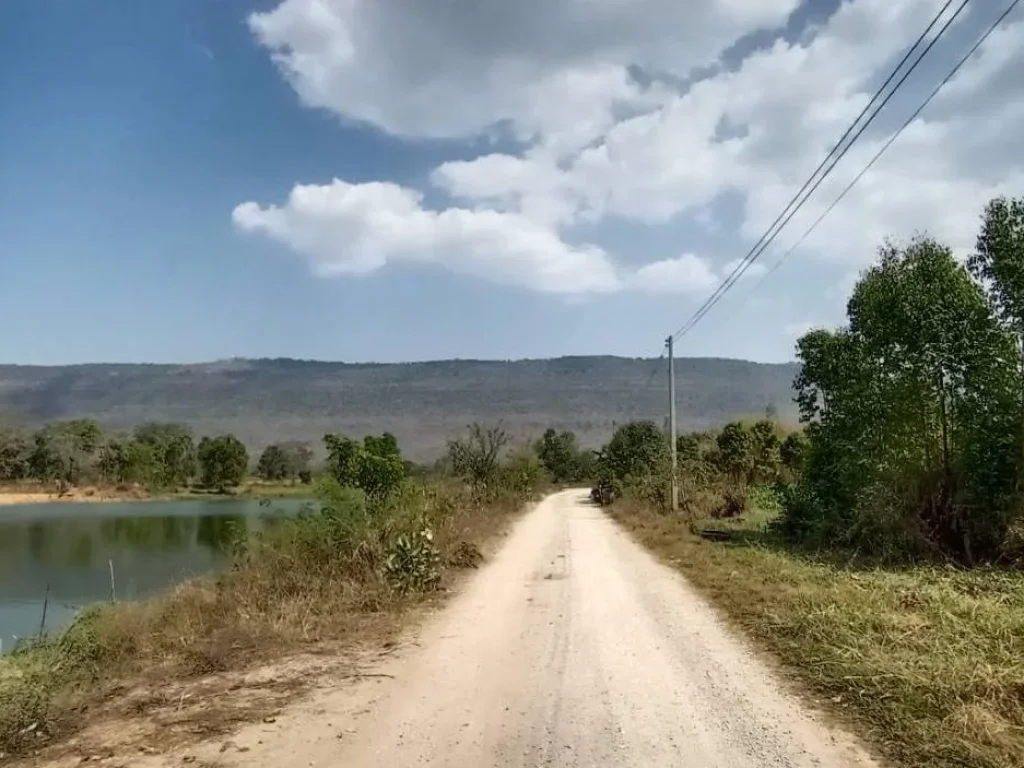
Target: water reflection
{"points": [[70, 547]]}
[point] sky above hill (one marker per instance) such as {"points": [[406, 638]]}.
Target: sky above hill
{"points": [[407, 180]]}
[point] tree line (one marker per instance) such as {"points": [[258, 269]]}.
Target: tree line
{"points": [[912, 414], [159, 456], [914, 410]]}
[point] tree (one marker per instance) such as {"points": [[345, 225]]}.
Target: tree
{"points": [[174, 452], [383, 446], [910, 413], [477, 455], [524, 473], [299, 458], [998, 262], [637, 449], [560, 455], [284, 461], [792, 450], [273, 463], [223, 461], [126, 461], [766, 450], [693, 446], [14, 453], [736, 451], [343, 459], [380, 476], [64, 451], [375, 466]]}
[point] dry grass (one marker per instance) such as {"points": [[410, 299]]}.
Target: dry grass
{"points": [[928, 661], [304, 585]]}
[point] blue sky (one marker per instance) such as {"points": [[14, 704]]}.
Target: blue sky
{"points": [[498, 194]]}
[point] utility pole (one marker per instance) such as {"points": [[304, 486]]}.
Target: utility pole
{"points": [[672, 421]]}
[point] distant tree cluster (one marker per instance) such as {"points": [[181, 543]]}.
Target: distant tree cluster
{"points": [[78, 451], [156, 455], [562, 457], [487, 460], [913, 415], [291, 461]]}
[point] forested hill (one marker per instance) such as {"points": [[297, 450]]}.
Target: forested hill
{"points": [[264, 401]]}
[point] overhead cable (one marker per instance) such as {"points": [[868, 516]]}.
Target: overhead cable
{"points": [[829, 163]]}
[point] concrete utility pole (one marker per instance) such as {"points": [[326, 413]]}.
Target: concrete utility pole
{"points": [[672, 421]]}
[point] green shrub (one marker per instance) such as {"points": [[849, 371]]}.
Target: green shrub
{"points": [[414, 563]]}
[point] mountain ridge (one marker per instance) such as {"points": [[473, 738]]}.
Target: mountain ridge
{"points": [[263, 400]]}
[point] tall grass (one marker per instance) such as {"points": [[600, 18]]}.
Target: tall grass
{"points": [[929, 661], [325, 576]]}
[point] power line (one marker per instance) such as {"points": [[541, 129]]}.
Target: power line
{"points": [[831, 160], [887, 144], [759, 249]]}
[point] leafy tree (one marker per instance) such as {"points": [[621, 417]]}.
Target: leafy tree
{"points": [[273, 463], [343, 458], [999, 259], [14, 453], [64, 451], [998, 264], [736, 451], [560, 455], [586, 462], [84, 435], [299, 458], [382, 470], [383, 446], [691, 446], [791, 451], [766, 450], [223, 461], [637, 449], [126, 461], [173, 450], [524, 473], [910, 412], [375, 466], [477, 455]]}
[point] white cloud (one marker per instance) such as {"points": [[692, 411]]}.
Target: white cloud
{"points": [[601, 145], [554, 68], [687, 274], [534, 187], [356, 229]]}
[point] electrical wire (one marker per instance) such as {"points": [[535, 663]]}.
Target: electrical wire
{"points": [[831, 160], [887, 144]]}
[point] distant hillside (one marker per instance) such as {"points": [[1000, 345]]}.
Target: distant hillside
{"points": [[263, 401]]}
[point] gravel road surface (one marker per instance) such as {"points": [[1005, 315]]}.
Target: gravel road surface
{"points": [[572, 647]]}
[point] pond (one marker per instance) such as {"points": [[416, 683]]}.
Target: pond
{"points": [[67, 551]]}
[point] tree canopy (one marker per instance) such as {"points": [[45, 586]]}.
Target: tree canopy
{"points": [[223, 461]]}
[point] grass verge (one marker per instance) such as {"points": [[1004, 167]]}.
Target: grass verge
{"points": [[928, 662], [335, 576]]}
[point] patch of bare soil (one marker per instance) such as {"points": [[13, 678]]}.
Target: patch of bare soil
{"points": [[133, 724]]}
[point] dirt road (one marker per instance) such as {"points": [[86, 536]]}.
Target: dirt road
{"points": [[573, 647]]}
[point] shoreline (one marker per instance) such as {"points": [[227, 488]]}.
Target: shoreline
{"points": [[108, 496], [11, 499]]}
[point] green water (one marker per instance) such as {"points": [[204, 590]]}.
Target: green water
{"points": [[68, 549]]}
